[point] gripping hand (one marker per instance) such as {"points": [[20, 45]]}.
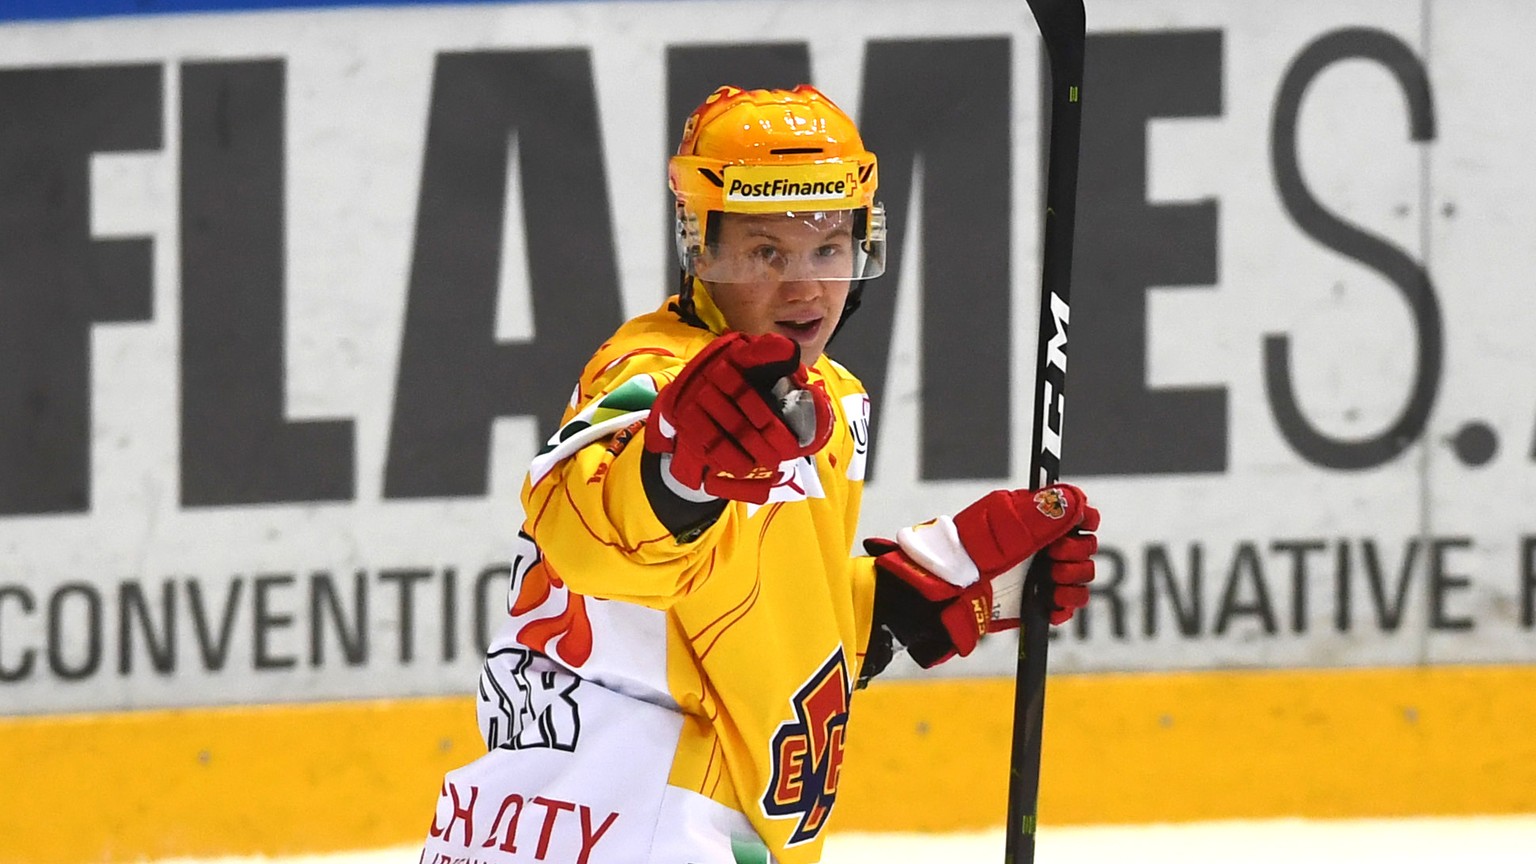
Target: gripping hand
{"points": [[935, 582], [736, 411]]}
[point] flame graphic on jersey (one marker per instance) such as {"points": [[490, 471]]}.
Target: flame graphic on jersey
{"points": [[570, 625], [808, 751]]}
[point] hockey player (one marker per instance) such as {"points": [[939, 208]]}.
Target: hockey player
{"points": [[687, 625]]}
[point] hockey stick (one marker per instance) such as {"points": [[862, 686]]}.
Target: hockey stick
{"points": [[1062, 26]]}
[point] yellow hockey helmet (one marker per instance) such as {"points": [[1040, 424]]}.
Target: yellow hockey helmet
{"points": [[790, 152]]}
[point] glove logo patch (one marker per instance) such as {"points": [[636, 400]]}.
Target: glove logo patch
{"points": [[758, 473], [1051, 503], [794, 481], [808, 751], [982, 612]]}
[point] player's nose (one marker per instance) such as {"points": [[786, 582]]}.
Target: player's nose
{"points": [[800, 290]]}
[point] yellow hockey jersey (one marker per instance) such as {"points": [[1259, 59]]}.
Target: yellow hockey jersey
{"points": [[661, 694]]}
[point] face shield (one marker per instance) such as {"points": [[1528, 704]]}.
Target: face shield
{"points": [[823, 245]]}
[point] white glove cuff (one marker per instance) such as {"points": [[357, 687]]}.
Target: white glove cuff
{"points": [[935, 545], [696, 496], [663, 426]]}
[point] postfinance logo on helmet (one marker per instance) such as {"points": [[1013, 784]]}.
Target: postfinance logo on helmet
{"points": [[828, 186]]}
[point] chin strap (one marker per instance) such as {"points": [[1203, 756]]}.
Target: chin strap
{"points": [[685, 308]]}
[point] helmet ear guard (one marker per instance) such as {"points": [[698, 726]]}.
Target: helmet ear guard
{"points": [[869, 232], [688, 238]]}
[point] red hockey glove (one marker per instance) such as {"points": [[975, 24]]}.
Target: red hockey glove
{"points": [[736, 411], [938, 587]]}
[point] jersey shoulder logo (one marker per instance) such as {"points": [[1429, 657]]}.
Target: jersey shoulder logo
{"points": [[808, 751], [856, 409]]}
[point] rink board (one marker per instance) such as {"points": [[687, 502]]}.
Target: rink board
{"points": [[295, 295], [923, 756]]}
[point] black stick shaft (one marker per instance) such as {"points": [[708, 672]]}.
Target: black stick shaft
{"points": [[1062, 26]]}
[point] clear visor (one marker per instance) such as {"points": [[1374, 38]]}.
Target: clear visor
{"points": [[830, 245]]}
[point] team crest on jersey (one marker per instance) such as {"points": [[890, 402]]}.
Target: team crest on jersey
{"points": [[808, 751]]}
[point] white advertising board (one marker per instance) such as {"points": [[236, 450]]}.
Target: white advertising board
{"points": [[288, 299]]}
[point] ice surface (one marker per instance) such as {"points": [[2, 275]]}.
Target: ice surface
{"points": [[1481, 840]]}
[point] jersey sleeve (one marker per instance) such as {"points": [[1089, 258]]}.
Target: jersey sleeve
{"points": [[869, 653], [586, 500]]}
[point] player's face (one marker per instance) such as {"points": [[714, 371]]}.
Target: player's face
{"points": [[791, 275]]}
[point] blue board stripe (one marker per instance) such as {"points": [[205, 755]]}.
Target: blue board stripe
{"points": [[58, 10]]}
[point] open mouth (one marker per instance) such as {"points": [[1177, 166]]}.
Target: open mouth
{"points": [[801, 328]]}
